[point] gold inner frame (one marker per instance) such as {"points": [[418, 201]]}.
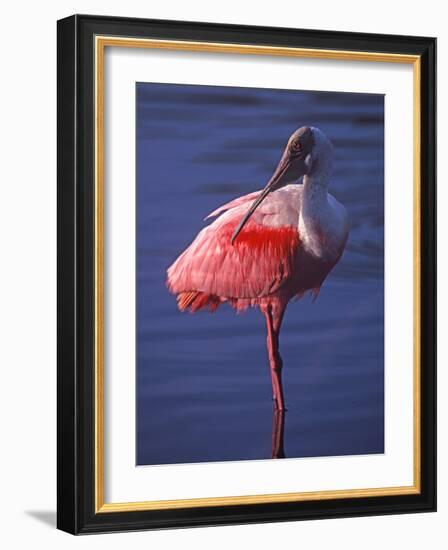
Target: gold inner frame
{"points": [[101, 42]]}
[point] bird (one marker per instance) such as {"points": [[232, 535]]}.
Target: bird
{"points": [[270, 246]]}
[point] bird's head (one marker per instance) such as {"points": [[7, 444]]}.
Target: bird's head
{"points": [[307, 152]]}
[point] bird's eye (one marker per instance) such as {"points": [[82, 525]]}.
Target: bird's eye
{"points": [[296, 146]]}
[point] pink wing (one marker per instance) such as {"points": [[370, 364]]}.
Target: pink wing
{"points": [[261, 259], [236, 202]]}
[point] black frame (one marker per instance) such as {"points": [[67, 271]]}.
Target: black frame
{"points": [[75, 403]]}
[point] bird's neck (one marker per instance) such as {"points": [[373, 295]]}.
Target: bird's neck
{"points": [[315, 182], [314, 215], [315, 189]]}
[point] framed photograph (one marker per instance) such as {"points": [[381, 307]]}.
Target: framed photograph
{"points": [[246, 271]]}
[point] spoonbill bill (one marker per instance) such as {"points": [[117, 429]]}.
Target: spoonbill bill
{"points": [[268, 246]]}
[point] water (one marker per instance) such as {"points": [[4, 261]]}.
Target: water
{"points": [[203, 384]]}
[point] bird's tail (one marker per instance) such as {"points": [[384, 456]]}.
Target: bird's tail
{"points": [[194, 300]]}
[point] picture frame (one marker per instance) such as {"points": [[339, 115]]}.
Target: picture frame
{"points": [[82, 240]]}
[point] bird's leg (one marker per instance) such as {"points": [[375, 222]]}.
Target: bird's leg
{"points": [[273, 323], [278, 430]]}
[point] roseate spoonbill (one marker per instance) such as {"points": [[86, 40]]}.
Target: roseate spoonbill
{"points": [[269, 246]]}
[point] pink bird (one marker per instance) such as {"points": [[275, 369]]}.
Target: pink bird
{"points": [[269, 246]]}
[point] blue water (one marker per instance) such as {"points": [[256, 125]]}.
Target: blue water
{"points": [[203, 384]]}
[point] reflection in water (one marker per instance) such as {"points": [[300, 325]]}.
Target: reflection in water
{"points": [[278, 432]]}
